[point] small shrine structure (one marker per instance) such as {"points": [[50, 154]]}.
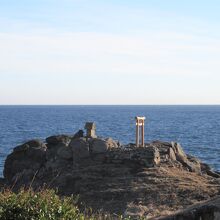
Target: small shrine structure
{"points": [[90, 130]]}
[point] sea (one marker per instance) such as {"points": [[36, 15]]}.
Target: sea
{"points": [[196, 128]]}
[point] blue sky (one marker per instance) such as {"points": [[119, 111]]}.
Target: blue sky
{"points": [[109, 52]]}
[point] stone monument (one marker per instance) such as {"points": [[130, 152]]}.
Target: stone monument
{"points": [[90, 130]]}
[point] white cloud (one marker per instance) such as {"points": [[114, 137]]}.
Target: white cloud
{"points": [[154, 67]]}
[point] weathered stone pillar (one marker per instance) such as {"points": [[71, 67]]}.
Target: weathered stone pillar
{"points": [[139, 123]]}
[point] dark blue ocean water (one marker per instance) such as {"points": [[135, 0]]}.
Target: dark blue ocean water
{"points": [[197, 128]]}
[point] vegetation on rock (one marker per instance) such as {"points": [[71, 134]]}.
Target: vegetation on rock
{"points": [[42, 205]]}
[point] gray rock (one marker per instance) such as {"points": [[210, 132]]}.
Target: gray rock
{"points": [[65, 153], [98, 145], [188, 162], [20, 148], [80, 149], [111, 143], [144, 156], [205, 167], [32, 155], [56, 165], [196, 162], [54, 140], [161, 143], [171, 154], [213, 174], [178, 151], [78, 134], [30, 144], [35, 143], [154, 155]]}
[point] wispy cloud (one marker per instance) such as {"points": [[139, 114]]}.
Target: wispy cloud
{"points": [[87, 52], [92, 48]]}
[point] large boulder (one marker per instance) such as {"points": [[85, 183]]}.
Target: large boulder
{"points": [[98, 145], [30, 155], [80, 149], [57, 139]]}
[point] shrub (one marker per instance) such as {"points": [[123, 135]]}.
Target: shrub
{"points": [[43, 205]]}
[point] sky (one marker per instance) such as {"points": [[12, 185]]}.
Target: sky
{"points": [[78, 52]]}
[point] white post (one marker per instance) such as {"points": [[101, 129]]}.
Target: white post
{"points": [[139, 123]]}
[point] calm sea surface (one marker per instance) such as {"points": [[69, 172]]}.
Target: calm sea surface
{"points": [[197, 128]]}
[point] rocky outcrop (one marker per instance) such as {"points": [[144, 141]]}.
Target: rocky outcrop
{"points": [[149, 181], [173, 153], [28, 157], [209, 210]]}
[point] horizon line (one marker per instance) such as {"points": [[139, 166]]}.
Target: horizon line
{"points": [[109, 104]]}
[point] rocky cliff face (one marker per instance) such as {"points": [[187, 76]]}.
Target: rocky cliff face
{"points": [[150, 181]]}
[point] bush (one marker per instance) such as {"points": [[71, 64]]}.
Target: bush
{"points": [[43, 205]]}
